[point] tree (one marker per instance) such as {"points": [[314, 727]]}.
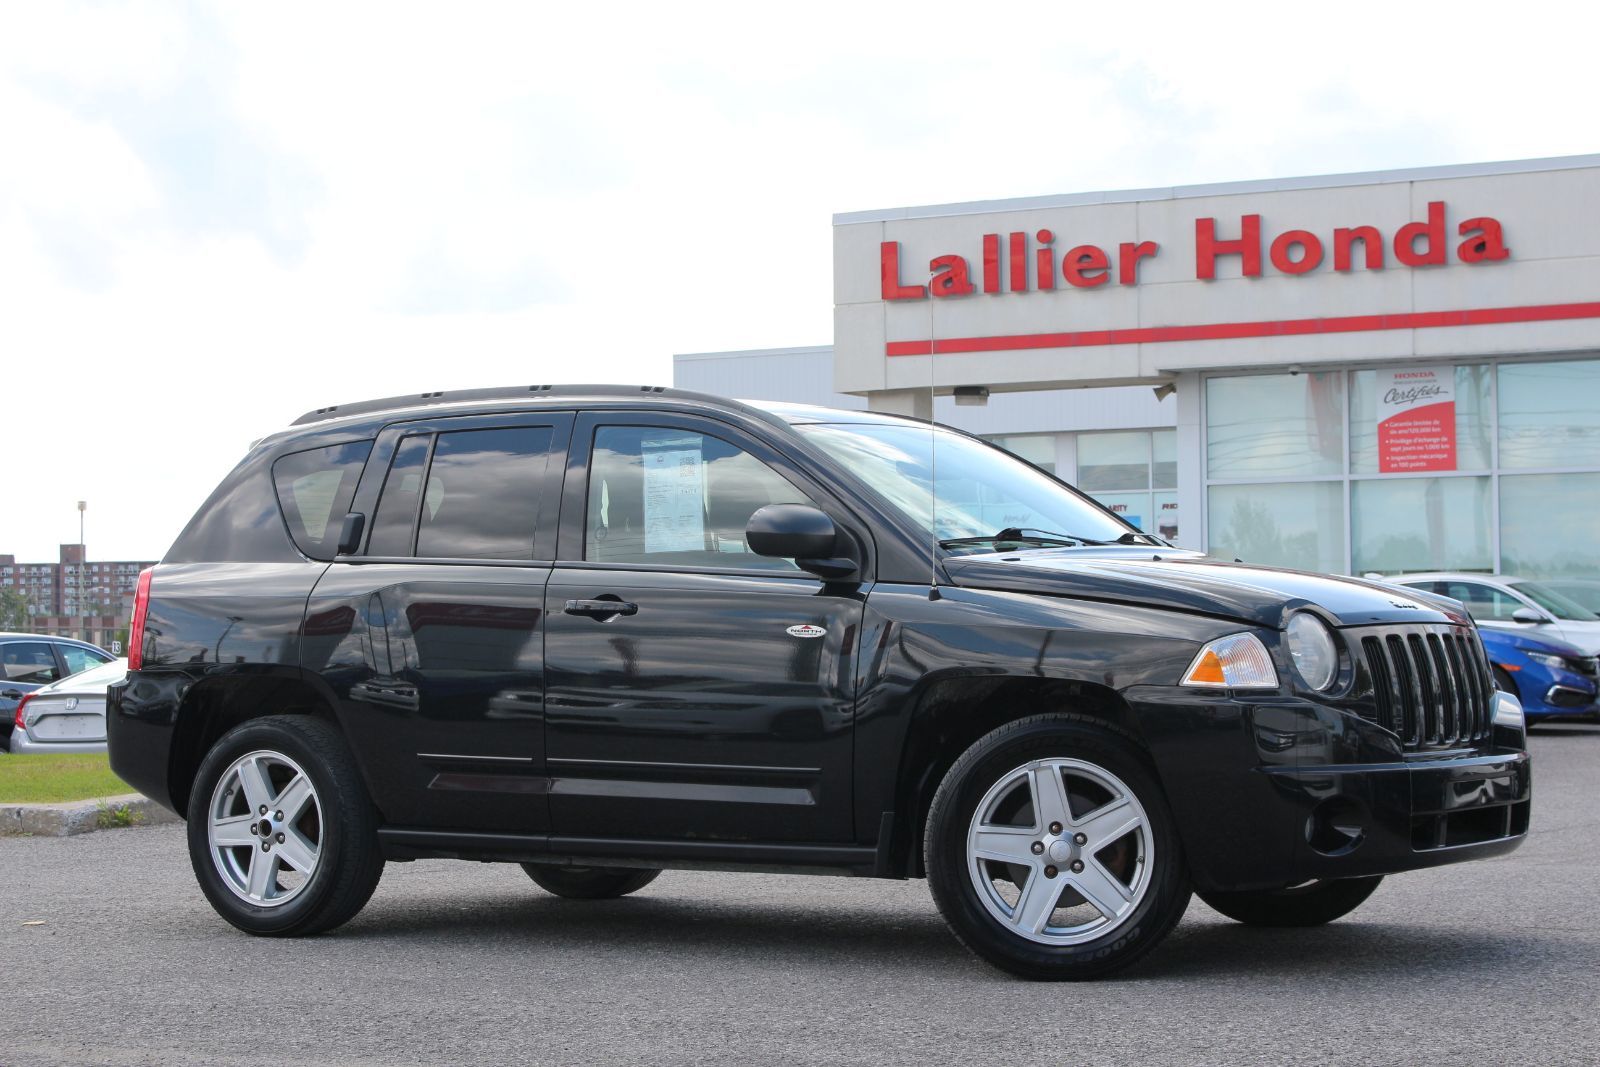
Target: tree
{"points": [[13, 609]]}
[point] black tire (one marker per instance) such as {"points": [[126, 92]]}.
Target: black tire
{"points": [[966, 902], [340, 818], [589, 883], [1504, 682], [1311, 904]]}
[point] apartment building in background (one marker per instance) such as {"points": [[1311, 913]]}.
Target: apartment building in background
{"points": [[52, 594]]}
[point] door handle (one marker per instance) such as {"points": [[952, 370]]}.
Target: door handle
{"points": [[601, 607], [11, 694]]}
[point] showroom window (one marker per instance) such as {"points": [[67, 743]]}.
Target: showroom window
{"points": [[1275, 425], [1400, 469], [1548, 415], [1135, 474], [1037, 448]]}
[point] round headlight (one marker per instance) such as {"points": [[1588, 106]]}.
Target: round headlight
{"points": [[1311, 646]]}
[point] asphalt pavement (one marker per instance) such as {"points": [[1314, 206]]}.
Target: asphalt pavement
{"points": [[454, 963]]}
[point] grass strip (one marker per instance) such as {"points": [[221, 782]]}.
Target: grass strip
{"points": [[55, 778]]}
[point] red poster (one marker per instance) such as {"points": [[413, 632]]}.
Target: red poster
{"points": [[1417, 420]]}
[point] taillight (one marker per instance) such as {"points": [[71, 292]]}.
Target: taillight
{"points": [[141, 604], [20, 705]]}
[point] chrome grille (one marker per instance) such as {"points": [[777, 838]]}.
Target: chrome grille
{"points": [[1430, 684]]}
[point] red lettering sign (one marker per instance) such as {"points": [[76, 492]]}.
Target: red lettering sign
{"points": [[1294, 252]]}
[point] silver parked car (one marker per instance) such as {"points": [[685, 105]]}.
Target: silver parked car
{"points": [[29, 661], [1505, 602], [69, 715]]}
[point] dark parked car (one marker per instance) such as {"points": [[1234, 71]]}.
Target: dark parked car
{"points": [[1549, 678], [601, 632], [28, 661]]}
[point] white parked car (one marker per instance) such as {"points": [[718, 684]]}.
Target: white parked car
{"points": [[1510, 603], [69, 715]]}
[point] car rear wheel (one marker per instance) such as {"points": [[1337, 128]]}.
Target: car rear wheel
{"points": [[282, 836], [1051, 853], [1311, 904], [589, 883]]}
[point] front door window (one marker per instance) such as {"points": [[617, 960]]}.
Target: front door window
{"points": [[662, 495]]}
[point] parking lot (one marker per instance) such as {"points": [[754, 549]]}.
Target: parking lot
{"points": [[467, 963]]}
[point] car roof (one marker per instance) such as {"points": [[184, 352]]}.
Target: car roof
{"points": [[8, 636], [362, 417], [520, 396]]}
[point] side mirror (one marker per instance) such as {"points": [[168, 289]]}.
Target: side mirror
{"points": [[799, 532], [1528, 616], [350, 533]]}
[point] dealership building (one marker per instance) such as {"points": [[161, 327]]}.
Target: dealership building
{"points": [[1388, 372]]}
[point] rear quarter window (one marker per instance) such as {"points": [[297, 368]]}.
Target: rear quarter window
{"points": [[315, 489]]}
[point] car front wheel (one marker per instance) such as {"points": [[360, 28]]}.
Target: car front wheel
{"points": [[1051, 853], [282, 836]]}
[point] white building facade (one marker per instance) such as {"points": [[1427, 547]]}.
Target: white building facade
{"points": [[1370, 373]]}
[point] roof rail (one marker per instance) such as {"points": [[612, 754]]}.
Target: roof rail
{"points": [[458, 396]]}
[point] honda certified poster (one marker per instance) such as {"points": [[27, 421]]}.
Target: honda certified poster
{"points": [[1417, 420]]}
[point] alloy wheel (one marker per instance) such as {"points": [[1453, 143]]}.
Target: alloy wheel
{"points": [[1060, 851], [265, 828]]}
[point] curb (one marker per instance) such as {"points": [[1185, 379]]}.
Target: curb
{"points": [[81, 816]]}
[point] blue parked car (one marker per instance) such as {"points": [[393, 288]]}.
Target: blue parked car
{"points": [[1550, 677]]}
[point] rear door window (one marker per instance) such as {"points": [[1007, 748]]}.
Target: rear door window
{"points": [[464, 494], [394, 527], [31, 662], [315, 489], [81, 659]]}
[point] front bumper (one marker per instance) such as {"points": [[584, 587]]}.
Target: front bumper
{"points": [[1273, 792], [1387, 818]]}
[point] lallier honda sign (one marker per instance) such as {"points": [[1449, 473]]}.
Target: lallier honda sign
{"points": [[1128, 289]]}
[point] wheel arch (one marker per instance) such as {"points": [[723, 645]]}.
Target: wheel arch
{"points": [[215, 704], [950, 714]]}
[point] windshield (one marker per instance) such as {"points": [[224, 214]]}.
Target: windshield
{"points": [[981, 490], [1561, 607]]}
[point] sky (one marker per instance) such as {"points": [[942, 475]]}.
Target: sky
{"points": [[216, 217]]}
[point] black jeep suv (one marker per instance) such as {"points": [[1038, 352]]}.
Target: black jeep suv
{"points": [[601, 632]]}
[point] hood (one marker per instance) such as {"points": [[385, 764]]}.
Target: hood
{"points": [[1178, 580]]}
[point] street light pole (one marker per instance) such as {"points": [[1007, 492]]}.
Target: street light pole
{"points": [[83, 554]]}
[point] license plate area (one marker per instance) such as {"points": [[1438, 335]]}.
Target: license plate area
{"points": [[70, 728]]}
